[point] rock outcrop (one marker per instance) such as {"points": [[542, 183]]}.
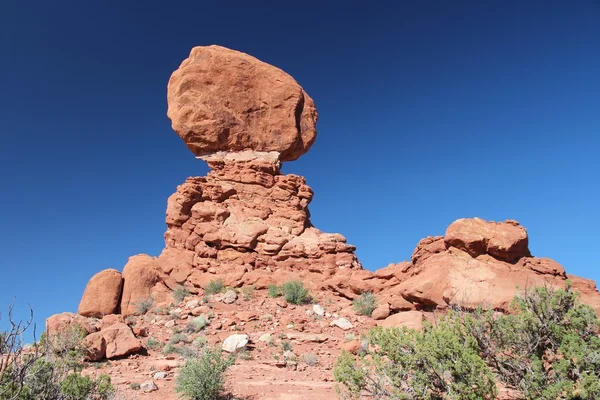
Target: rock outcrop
{"points": [[479, 263], [247, 223], [224, 100]]}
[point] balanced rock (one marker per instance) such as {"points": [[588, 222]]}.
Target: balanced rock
{"points": [[102, 294], [224, 100]]}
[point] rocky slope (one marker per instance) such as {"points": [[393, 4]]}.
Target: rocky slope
{"points": [[248, 225]]}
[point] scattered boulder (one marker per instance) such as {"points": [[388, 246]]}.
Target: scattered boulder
{"points": [[140, 275], [102, 294], [235, 342], [229, 297], [120, 341], [66, 321], [381, 312], [408, 319], [148, 386], [342, 323], [317, 309]]}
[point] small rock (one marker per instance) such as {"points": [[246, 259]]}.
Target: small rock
{"points": [[289, 355], [192, 304], [342, 323], [230, 297], [309, 313], [266, 337], [381, 312], [235, 342], [148, 387], [170, 323], [320, 311], [160, 375], [281, 303], [352, 346], [200, 310]]}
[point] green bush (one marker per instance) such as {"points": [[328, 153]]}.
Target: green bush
{"points": [[78, 387], [273, 290], [548, 347], [365, 304], [49, 369], [214, 287], [432, 364], [197, 324], [179, 338], [180, 293], [203, 378], [153, 344], [294, 292]]}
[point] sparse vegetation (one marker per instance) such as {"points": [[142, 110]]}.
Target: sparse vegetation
{"points": [[134, 386], [174, 313], [274, 290], [179, 338], [547, 348], [197, 324], [310, 359], [244, 354], [294, 292], [248, 292], [180, 293], [214, 287], [202, 378], [200, 341], [365, 304], [153, 344], [143, 306], [49, 369], [286, 345]]}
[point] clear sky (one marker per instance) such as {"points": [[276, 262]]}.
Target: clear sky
{"points": [[430, 111]]}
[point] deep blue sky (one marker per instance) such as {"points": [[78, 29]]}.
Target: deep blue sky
{"points": [[430, 111]]}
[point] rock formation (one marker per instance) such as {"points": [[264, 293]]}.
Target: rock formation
{"points": [[248, 224], [479, 263]]}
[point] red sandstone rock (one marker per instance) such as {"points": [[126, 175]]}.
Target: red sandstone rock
{"points": [[506, 241], [140, 276], [66, 321], [224, 100], [409, 319], [120, 341], [96, 346], [102, 294]]}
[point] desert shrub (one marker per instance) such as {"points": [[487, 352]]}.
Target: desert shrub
{"points": [[180, 293], [548, 347], [49, 369], [179, 338], [273, 290], [310, 359], [202, 378], [143, 306], [134, 386], [197, 324], [433, 364], [78, 387], [214, 287], [365, 304], [294, 292], [200, 341], [287, 345], [248, 292], [153, 344]]}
